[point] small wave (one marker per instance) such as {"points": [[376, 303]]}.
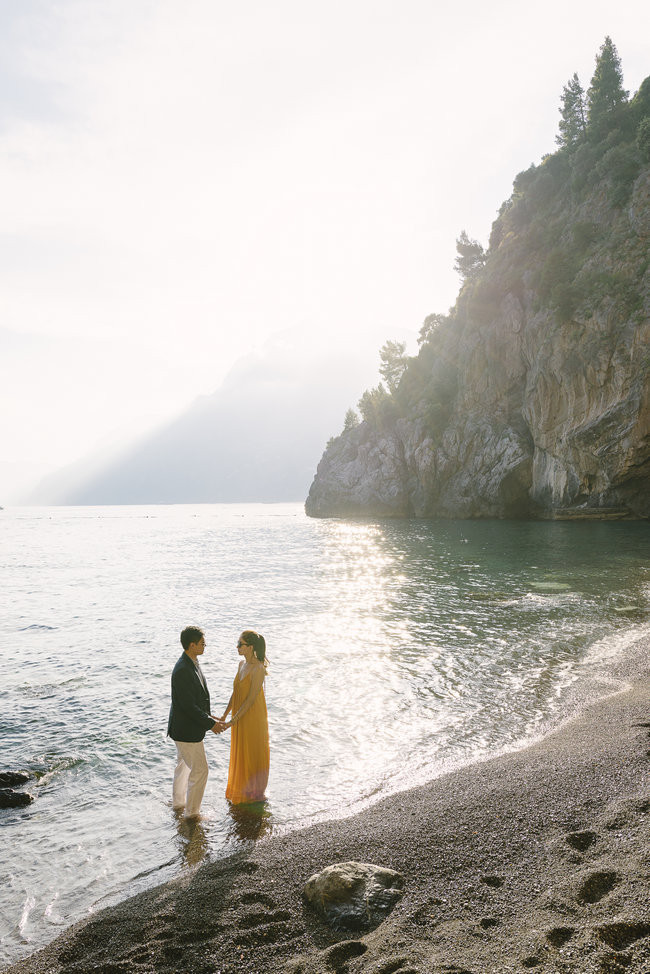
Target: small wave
{"points": [[639, 611], [52, 915], [46, 766], [48, 689], [616, 644], [38, 626], [28, 906], [535, 600], [154, 869], [551, 586]]}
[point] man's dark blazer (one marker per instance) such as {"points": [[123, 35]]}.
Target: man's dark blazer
{"points": [[189, 714]]}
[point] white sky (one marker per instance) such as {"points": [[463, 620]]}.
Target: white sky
{"points": [[182, 180]]}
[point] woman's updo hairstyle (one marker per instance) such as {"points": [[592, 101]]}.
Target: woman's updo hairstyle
{"points": [[252, 638]]}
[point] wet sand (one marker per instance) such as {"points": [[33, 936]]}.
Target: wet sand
{"points": [[534, 860]]}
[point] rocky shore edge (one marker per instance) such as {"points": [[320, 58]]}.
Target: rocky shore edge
{"points": [[538, 859]]}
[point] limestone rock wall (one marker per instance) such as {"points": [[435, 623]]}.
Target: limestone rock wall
{"points": [[549, 418]]}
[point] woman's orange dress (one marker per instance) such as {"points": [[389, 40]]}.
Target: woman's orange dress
{"points": [[248, 772]]}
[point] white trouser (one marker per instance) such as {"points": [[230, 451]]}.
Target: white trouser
{"points": [[190, 776]]}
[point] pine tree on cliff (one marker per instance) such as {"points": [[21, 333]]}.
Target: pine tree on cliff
{"points": [[393, 363], [471, 256], [573, 123], [606, 95]]}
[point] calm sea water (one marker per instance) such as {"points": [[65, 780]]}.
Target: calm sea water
{"points": [[398, 649]]}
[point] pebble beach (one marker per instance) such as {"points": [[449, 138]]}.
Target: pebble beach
{"points": [[538, 859]]}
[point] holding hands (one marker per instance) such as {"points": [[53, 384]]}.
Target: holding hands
{"points": [[219, 724], [225, 723]]}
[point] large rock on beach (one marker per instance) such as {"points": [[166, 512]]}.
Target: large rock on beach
{"points": [[14, 799], [354, 895], [9, 779]]}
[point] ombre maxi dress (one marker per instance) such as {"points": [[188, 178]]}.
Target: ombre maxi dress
{"points": [[248, 772]]}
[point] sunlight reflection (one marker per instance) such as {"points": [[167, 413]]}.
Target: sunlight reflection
{"points": [[249, 821], [193, 840], [397, 651]]}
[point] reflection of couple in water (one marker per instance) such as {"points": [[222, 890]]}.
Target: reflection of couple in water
{"points": [[190, 718]]}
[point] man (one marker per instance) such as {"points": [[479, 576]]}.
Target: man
{"points": [[189, 719]]}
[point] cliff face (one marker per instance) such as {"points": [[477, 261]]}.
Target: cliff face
{"points": [[533, 398]]}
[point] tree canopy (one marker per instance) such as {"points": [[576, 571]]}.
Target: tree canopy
{"points": [[429, 325], [393, 363], [573, 123], [471, 256], [594, 114], [605, 95], [643, 138]]}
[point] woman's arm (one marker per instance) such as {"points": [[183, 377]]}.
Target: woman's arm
{"points": [[228, 709], [257, 679]]}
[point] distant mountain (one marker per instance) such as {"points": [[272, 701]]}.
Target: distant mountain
{"points": [[257, 438], [531, 398], [17, 477]]}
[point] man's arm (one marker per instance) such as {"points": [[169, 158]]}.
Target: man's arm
{"points": [[184, 697]]}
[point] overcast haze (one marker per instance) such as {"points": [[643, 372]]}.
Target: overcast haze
{"points": [[183, 182]]}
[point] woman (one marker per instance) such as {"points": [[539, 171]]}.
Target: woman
{"points": [[248, 773]]}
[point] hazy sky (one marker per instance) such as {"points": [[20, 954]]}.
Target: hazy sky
{"points": [[183, 180]]}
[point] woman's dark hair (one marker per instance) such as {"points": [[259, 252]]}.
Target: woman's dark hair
{"points": [[252, 638], [190, 635]]}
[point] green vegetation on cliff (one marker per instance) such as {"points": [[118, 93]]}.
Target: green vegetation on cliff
{"points": [[546, 235], [509, 403]]}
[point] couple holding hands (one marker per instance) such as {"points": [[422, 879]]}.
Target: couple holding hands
{"points": [[190, 718]]}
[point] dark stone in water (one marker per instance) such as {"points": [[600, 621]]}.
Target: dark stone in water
{"points": [[14, 799], [9, 779]]}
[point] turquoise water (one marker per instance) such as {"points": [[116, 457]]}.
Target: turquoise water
{"points": [[398, 649]]}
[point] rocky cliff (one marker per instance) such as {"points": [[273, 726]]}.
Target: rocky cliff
{"points": [[532, 398]]}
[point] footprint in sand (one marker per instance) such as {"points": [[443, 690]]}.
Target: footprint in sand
{"points": [[394, 965], [427, 914], [559, 936], [581, 841], [624, 813], [253, 898], [621, 935], [170, 938], [253, 920], [496, 882], [263, 927], [337, 957], [597, 885], [486, 923]]}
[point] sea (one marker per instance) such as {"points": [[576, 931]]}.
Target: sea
{"points": [[398, 649]]}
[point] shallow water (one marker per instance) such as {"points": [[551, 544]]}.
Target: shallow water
{"points": [[398, 649]]}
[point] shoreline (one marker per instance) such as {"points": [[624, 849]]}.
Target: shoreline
{"points": [[537, 858]]}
